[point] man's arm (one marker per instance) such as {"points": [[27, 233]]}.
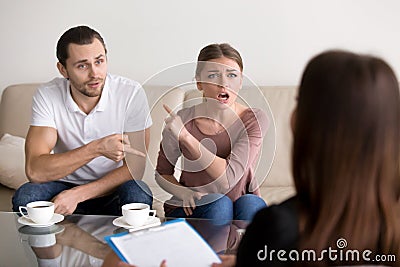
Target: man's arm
{"points": [[133, 167], [41, 166]]}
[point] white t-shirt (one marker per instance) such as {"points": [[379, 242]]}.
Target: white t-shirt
{"points": [[122, 108]]}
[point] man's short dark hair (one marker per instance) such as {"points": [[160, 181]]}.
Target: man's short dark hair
{"points": [[80, 35]]}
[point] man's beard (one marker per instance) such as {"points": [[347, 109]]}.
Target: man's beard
{"points": [[88, 92]]}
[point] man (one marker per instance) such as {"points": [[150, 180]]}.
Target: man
{"points": [[95, 123]]}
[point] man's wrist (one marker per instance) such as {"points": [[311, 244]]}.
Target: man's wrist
{"points": [[80, 193], [92, 149]]}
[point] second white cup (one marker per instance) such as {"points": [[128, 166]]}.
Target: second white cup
{"points": [[136, 214]]}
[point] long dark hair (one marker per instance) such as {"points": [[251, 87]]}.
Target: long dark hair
{"points": [[346, 153]]}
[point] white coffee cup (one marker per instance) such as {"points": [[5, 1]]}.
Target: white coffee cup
{"points": [[39, 212], [136, 214]]}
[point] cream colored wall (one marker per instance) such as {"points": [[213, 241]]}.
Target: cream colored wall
{"points": [[276, 38]]}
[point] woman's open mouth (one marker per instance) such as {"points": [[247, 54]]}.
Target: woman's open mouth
{"points": [[223, 97]]}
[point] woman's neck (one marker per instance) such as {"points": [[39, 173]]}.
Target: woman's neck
{"points": [[218, 113], [213, 120]]}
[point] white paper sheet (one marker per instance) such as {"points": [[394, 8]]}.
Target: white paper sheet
{"points": [[176, 241]]}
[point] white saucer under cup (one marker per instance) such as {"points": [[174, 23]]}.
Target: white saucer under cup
{"points": [[151, 222], [55, 219]]}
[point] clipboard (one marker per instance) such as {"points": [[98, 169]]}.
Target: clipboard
{"points": [[176, 241]]}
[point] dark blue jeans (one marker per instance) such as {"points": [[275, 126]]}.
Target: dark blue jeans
{"points": [[219, 207], [130, 191]]}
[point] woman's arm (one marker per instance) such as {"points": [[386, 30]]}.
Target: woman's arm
{"points": [[167, 157], [208, 161], [188, 196], [245, 150]]}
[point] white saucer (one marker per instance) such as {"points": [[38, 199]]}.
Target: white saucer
{"points": [[151, 221], [55, 219]]}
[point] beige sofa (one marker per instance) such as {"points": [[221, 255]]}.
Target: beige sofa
{"points": [[276, 182]]}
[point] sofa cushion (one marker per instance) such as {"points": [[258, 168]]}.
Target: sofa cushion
{"points": [[157, 96], [12, 161], [15, 109], [282, 101]]}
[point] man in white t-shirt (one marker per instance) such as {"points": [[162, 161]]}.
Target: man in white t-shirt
{"points": [[96, 124]]}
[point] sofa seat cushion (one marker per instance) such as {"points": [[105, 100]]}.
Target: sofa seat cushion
{"points": [[277, 194]]}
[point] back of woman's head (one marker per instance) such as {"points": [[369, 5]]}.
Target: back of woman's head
{"points": [[346, 151]]}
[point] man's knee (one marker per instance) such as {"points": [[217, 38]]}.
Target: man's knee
{"points": [[26, 193], [135, 191], [137, 187], [33, 192]]}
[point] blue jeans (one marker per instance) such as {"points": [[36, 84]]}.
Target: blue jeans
{"points": [[130, 191], [219, 207]]}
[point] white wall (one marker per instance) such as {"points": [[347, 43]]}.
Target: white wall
{"points": [[276, 37]]}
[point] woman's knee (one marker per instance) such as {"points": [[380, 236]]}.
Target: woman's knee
{"points": [[250, 200], [214, 198], [223, 202], [217, 207], [247, 206]]}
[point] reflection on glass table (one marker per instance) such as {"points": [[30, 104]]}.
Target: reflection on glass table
{"points": [[79, 239]]}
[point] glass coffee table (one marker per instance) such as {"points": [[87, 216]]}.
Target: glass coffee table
{"points": [[79, 239]]}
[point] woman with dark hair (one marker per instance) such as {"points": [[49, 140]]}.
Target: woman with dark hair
{"points": [[219, 141], [346, 157]]}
